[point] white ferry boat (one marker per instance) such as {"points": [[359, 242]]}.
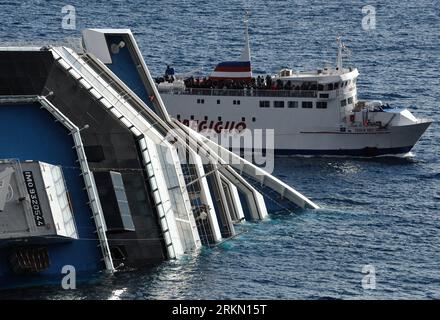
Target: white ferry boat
{"points": [[312, 113]]}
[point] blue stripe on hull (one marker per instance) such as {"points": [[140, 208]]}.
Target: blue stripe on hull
{"points": [[365, 152]]}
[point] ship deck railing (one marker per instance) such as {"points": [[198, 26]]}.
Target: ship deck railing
{"points": [[241, 92]]}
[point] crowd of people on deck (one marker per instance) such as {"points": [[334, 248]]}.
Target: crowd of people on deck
{"points": [[260, 82]]}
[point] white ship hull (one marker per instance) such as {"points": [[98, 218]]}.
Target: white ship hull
{"points": [[299, 131]]}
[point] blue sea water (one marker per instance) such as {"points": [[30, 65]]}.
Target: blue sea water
{"points": [[383, 212]]}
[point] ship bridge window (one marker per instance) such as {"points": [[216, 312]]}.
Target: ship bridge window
{"points": [[192, 117], [324, 95], [292, 104], [243, 119], [253, 119], [343, 103], [278, 104], [336, 85], [320, 87], [178, 117], [307, 104], [350, 100], [264, 104], [236, 102], [218, 101], [201, 101], [330, 86], [321, 105]]}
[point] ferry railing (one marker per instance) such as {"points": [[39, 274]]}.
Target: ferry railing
{"points": [[241, 92], [256, 92]]}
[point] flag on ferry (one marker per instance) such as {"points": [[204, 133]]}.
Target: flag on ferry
{"points": [[237, 70]]}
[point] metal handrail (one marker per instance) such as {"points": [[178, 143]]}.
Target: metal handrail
{"points": [[241, 92]]}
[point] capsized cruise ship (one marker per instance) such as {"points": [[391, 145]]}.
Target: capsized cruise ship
{"points": [[96, 176], [311, 112]]}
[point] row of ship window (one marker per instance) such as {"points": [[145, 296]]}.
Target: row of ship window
{"points": [[290, 104], [336, 85], [243, 119], [294, 104], [346, 101], [202, 101]]}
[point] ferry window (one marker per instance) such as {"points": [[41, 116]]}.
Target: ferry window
{"points": [[350, 100], [336, 85], [324, 95], [264, 104], [203, 100], [253, 119], [206, 118], [330, 86], [320, 87], [321, 105], [238, 101], [343, 103], [219, 118], [198, 100], [307, 104], [218, 101], [178, 117], [278, 104], [192, 117], [292, 104], [234, 102], [243, 119]]}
